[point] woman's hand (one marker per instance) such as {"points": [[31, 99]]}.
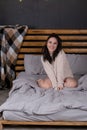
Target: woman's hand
{"points": [[60, 87]]}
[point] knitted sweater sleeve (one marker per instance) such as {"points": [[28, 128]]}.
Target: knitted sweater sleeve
{"points": [[63, 68], [50, 72]]}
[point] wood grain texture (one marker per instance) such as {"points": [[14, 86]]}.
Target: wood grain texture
{"points": [[50, 123]]}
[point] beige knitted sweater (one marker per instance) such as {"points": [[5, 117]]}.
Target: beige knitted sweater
{"points": [[58, 70]]}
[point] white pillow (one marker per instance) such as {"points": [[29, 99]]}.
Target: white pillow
{"points": [[78, 63], [33, 65]]}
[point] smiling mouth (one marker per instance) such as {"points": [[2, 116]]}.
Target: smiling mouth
{"points": [[52, 48]]}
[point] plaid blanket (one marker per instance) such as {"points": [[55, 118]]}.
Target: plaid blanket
{"points": [[11, 38]]}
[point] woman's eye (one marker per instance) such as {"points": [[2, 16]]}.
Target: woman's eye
{"points": [[50, 42], [54, 43]]}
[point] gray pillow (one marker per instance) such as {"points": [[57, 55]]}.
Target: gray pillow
{"points": [[78, 63], [33, 65]]}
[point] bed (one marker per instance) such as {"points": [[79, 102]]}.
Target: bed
{"points": [[34, 108]]}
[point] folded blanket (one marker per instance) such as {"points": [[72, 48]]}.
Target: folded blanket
{"points": [[11, 40]]}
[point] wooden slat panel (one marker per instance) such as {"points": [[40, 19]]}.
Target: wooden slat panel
{"points": [[35, 38], [29, 44], [33, 43], [76, 50], [20, 62], [62, 37], [49, 123], [77, 44], [26, 50], [58, 31], [19, 68], [20, 56]]}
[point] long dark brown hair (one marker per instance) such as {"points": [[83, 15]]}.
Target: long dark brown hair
{"points": [[45, 52]]}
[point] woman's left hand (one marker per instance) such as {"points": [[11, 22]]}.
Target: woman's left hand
{"points": [[60, 87]]}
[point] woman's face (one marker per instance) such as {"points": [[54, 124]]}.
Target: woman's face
{"points": [[52, 45]]}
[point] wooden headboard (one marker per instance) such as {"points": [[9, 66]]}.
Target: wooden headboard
{"points": [[73, 41]]}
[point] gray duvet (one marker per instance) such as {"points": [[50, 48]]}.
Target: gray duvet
{"points": [[26, 97]]}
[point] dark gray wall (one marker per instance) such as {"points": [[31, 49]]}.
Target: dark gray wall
{"points": [[44, 13]]}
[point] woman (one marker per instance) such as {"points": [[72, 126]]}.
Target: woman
{"points": [[56, 65]]}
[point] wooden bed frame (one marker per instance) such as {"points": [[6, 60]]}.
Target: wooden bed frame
{"points": [[74, 41]]}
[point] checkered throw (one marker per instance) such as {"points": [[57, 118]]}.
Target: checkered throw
{"points": [[11, 38]]}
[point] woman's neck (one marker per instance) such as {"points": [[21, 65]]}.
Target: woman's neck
{"points": [[51, 54]]}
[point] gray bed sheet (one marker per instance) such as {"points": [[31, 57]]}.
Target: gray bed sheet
{"points": [[66, 115], [29, 102]]}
